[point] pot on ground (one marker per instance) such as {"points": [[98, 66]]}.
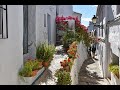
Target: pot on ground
{"points": [[45, 64]]}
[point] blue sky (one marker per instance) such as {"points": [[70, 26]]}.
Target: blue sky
{"points": [[87, 12]]}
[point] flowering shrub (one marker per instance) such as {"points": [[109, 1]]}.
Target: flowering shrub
{"points": [[63, 77], [67, 64], [72, 50], [80, 34]]}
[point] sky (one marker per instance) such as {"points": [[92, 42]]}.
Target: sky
{"points": [[87, 12]]}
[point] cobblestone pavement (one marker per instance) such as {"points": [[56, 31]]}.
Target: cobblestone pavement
{"points": [[48, 77], [91, 74]]}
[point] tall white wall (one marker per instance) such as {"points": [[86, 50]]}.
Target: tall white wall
{"points": [[65, 10], [41, 31], [11, 49]]}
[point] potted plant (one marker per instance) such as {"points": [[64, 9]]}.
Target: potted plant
{"points": [[114, 69], [63, 77], [45, 52], [67, 64], [30, 71]]}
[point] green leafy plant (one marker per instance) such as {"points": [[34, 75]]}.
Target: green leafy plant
{"points": [[63, 77], [28, 67], [45, 52], [114, 69], [68, 38], [26, 71], [36, 65]]}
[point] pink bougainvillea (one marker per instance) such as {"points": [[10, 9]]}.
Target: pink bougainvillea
{"points": [[62, 23]]}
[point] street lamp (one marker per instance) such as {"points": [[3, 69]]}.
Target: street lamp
{"points": [[94, 21]]}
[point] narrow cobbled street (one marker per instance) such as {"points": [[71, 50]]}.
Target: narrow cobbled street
{"points": [[91, 74], [48, 77]]}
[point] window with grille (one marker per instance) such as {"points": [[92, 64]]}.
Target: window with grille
{"points": [[25, 29], [3, 22], [118, 9]]}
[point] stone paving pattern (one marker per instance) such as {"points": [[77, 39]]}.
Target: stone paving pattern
{"points": [[90, 73]]}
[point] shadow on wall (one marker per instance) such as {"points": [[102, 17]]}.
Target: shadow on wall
{"points": [[110, 13]]}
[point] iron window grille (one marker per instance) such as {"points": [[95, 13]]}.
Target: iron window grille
{"points": [[3, 22]]}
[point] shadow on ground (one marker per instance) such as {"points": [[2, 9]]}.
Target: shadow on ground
{"points": [[44, 78], [86, 77]]}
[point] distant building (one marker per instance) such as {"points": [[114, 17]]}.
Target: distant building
{"points": [[76, 14]]}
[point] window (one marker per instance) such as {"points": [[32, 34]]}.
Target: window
{"points": [[44, 20], [25, 29], [118, 9], [3, 22]]}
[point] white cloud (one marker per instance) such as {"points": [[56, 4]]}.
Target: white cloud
{"points": [[86, 19], [94, 5]]}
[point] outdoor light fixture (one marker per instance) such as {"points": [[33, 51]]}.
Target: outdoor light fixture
{"points": [[94, 21]]}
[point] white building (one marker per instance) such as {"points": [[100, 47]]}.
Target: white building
{"points": [[22, 27], [25, 26], [76, 14], [108, 16]]}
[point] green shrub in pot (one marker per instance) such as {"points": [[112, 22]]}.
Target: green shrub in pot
{"points": [[63, 77], [26, 71], [114, 69], [45, 52]]}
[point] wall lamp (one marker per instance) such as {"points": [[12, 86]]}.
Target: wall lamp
{"points": [[94, 21]]}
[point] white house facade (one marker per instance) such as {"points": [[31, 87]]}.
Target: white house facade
{"points": [[76, 14], [108, 16], [26, 26]]}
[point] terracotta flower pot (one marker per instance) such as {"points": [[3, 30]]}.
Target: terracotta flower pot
{"points": [[34, 72], [45, 64], [40, 65]]}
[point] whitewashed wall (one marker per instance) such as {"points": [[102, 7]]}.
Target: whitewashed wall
{"points": [[82, 52], [75, 14], [65, 10], [41, 31], [11, 49]]}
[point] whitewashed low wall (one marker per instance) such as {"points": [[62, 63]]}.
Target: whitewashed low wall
{"points": [[82, 51]]}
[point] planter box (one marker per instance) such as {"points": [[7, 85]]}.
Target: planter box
{"points": [[114, 79], [30, 80]]}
